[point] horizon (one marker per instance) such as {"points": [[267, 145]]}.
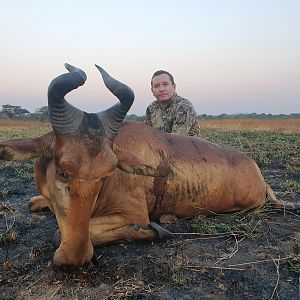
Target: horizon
{"points": [[297, 115], [226, 58]]}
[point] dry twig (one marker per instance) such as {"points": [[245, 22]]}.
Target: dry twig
{"points": [[278, 276], [9, 226], [58, 288], [234, 250], [260, 261], [194, 268]]}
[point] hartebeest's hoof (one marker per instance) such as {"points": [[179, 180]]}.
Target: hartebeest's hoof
{"points": [[162, 233], [37, 203], [56, 238]]}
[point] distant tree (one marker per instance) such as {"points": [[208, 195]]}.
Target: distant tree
{"points": [[223, 116], [41, 114], [134, 117], [42, 110], [295, 115], [15, 112]]}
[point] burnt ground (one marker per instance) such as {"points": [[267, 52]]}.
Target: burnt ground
{"points": [[245, 255]]}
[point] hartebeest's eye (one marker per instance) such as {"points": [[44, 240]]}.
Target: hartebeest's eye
{"points": [[61, 175]]}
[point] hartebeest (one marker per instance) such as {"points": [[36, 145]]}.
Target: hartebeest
{"points": [[104, 179]]}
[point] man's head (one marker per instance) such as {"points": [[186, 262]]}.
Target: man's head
{"points": [[162, 85]]}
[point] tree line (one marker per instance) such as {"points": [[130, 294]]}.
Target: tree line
{"points": [[134, 117], [17, 112]]}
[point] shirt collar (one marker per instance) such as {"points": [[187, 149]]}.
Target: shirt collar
{"points": [[167, 103]]}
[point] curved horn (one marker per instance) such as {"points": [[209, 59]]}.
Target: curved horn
{"points": [[113, 117], [64, 117]]}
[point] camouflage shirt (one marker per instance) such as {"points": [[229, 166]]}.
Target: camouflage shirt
{"points": [[177, 116]]}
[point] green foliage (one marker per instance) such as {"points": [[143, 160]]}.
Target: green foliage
{"points": [[267, 149], [293, 264], [41, 114], [25, 171], [21, 132], [292, 185], [242, 223], [14, 111], [134, 117], [4, 193]]}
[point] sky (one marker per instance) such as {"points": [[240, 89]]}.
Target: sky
{"points": [[233, 56]]}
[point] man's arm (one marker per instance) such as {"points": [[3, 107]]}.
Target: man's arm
{"points": [[148, 117], [185, 118]]}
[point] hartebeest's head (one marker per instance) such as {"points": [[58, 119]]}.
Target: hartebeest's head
{"points": [[74, 160], [82, 159]]}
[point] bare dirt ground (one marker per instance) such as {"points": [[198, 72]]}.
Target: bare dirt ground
{"points": [[245, 255]]}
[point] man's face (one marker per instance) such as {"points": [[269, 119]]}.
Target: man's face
{"points": [[162, 87]]}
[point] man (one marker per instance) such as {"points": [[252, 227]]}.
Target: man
{"points": [[170, 112]]}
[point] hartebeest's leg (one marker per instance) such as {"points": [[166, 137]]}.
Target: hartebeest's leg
{"points": [[127, 233], [105, 229], [281, 203], [37, 203]]}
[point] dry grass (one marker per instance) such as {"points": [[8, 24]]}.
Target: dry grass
{"points": [[19, 124], [14, 129], [275, 125]]}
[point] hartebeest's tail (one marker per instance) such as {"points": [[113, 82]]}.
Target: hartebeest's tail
{"points": [[280, 203]]}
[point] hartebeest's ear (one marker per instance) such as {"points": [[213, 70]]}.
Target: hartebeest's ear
{"points": [[129, 163], [28, 148]]}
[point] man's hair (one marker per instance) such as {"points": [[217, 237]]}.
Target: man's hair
{"points": [[163, 72]]}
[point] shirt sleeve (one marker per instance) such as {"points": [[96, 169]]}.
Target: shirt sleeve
{"points": [[184, 119], [148, 117]]}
